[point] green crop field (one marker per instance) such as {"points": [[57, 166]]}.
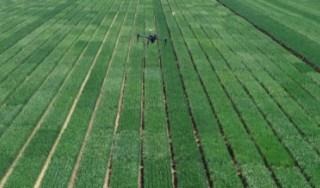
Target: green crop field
{"points": [[229, 96]]}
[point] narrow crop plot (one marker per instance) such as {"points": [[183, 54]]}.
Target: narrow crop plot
{"points": [[159, 93]]}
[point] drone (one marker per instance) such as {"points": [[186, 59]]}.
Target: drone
{"points": [[152, 38]]}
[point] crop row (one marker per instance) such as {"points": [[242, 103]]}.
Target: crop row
{"points": [[251, 72], [69, 144], [21, 32], [70, 74], [155, 148], [124, 156], [17, 87], [34, 108], [287, 27], [188, 160], [20, 51], [99, 149], [244, 107]]}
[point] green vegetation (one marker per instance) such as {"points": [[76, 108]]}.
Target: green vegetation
{"points": [[293, 23], [84, 103]]}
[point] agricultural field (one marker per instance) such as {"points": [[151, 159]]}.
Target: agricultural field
{"points": [[295, 23], [228, 96]]}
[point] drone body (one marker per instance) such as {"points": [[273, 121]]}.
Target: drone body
{"points": [[152, 38]]}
